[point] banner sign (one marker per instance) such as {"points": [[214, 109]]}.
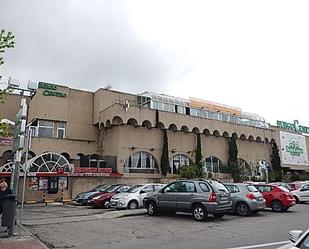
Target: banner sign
{"points": [[293, 149], [294, 127], [92, 170], [7, 141]]}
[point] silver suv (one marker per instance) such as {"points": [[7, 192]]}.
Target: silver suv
{"points": [[199, 197]]}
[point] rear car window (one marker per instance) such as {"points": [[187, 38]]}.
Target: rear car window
{"points": [[204, 187], [283, 189], [218, 187], [232, 188], [252, 188]]}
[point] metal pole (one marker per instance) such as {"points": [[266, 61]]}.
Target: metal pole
{"points": [[266, 169], [25, 177]]}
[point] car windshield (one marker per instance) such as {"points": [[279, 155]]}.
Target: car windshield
{"points": [[218, 187], [252, 188], [97, 188], [112, 188], [134, 188]]}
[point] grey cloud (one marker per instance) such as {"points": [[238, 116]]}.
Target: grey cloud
{"points": [[83, 44]]}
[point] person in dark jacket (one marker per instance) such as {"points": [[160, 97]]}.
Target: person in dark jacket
{"points": [[4, 191]]}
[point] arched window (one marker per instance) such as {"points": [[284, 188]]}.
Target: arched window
{"points": [[141, 162], [212, 164], [244, 167], [177, 162]]}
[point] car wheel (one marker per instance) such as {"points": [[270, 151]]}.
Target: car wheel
{"points": [[276, 206], [152, 208], [296, 199], [220, 215], [133, 205], [106, 204], [243, 209], [199, 212]]}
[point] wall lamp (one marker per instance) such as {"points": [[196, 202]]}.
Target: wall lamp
{"points": [[132, 148], [173, 150], [152, 149]]}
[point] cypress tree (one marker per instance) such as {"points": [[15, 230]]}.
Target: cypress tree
{"points": [[276, 162], [232, 162], [198, 156], [165, 164]]}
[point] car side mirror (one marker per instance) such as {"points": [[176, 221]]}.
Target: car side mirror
{"points": [[294, 235], [142, 192]]}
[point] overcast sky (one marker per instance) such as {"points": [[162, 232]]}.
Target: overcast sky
{"points": [[250, 54]]}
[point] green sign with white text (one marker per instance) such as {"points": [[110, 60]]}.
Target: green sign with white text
{"points": [[50, 90], [294, 127]]}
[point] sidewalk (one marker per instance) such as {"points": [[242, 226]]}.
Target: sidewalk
{"points": [[24, 241], [28, 241]]}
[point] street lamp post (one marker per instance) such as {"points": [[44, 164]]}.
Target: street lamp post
{"points": [[19, 139]]}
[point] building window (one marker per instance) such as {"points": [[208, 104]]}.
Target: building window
{"points": [[141, 162], [48, 129], [45, 129], [60, 129], [178, 161], [212, 164]]}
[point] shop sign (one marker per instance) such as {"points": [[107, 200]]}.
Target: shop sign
{"points": [[294, 127], [60, 170], [50, 90], [294, 149], [7, 141], [92, 170]]}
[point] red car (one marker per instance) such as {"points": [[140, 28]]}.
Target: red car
{"points": [[102, 199], [277, 197]]}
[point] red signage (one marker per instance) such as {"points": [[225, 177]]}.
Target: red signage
{"points": [[60, 170], [93, 170], [6, 141]]}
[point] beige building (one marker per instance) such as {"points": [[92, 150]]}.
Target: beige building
{"points": [[114, 137]]}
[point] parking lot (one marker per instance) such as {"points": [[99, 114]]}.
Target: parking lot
{"points": [[82, 227]]}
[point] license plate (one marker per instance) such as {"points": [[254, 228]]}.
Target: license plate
{"points": [[113, 203]]}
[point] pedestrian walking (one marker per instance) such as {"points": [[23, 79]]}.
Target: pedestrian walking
{"points": [[4, 191]]}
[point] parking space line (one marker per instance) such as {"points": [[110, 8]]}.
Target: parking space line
{"points": [[261, 245]]}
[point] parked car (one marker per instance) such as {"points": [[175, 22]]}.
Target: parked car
{"points": [[133, 198], [102, 199], [302, 194], [297, 184], [278, 198], [82, 198], [282, 184], [299, 240], [199, 197], [246, 199]]}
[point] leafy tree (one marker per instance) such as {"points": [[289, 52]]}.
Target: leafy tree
{"points": [[6, 41], [165, 164], [276, 163], [234, 168]]}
